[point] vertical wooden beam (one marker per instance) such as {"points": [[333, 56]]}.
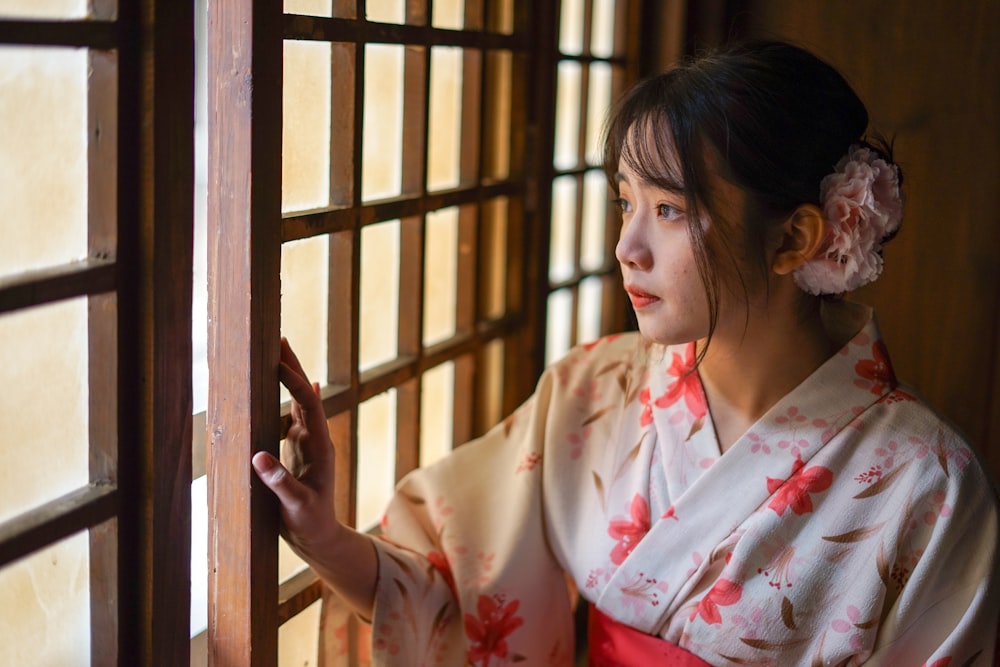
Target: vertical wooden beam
{"points": [[153, 220], [410, 340], [102, 344], [416, 82], [535, 160], [244, 214], [165, 238], [342, 99], [167, 247], [470, 168], [132, 553]]}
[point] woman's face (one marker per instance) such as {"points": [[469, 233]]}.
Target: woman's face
{"points": [[658, 263]]}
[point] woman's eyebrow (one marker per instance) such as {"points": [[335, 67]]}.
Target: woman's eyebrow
{"points": [[671, 188]]}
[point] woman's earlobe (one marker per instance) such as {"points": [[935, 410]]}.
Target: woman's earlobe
{"points": [[805, 232]]}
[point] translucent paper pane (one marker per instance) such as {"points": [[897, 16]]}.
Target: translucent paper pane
{"points": [[567, 140], [444, 131], [304, 278], [602, 36], [449, 14], [45, 606], [386, 11], [598, 102], [305, 136], [571, 27], [44, 413], [43, 9], [494, 241], [437, 409], [588, 321], [376, 457], [493, 362], [562, 248], [595, 223], [496, 163], [382, 133], [309, 7], [559, 314], [379, 294], [43, 157], [440, 275], [298, 638]]}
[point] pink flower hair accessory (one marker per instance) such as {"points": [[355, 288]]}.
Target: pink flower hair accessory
{"points": [[863, 206]]}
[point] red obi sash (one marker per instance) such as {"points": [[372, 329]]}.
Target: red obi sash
{"points": [[614, 644]]}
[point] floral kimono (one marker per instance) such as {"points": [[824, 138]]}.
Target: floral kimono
{"points": [[849, 525]]}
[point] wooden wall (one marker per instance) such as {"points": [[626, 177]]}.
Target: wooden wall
{"points": [[929, 71]]}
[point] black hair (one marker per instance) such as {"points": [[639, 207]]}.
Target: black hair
{"points": [[775, 118]]}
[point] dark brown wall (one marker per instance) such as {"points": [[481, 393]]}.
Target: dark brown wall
{"points": [[930, 73]]}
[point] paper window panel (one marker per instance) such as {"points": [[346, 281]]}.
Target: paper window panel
{"points": [[44, 417], [379, 294], [376, 472], [382, 124], [43, 157], [305, 140]]}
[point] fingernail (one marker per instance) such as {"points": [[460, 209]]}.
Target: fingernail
{"points": [[263, 462]]}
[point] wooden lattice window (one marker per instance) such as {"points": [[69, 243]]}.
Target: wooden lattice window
{"points": [[95, 261], [380, 188], [597, 58]]}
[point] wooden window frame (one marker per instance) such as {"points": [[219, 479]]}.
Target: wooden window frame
{"points": [[247, 228], [624, 63], [139, 263], [140, 189]]}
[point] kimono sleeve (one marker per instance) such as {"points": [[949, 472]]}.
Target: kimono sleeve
{"points": [[466, 575], [947, 613]]}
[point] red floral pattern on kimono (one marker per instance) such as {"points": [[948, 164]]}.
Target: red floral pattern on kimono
{"points": [[628, 532], [724, 593], [686, 384], [877, 370], [849, 525], [794, 492], [489, 631]]}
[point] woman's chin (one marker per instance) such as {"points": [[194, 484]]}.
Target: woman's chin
{"points": [[657, 332]]}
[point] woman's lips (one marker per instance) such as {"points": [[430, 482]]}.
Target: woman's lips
{"points": [[640, 299]]}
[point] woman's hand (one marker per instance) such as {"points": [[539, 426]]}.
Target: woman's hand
{"points": [[304, 479], [303, 482]]}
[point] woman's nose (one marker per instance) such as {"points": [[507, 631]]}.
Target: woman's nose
{"points": [[631, 249]]}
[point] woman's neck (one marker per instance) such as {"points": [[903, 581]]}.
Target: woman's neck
{"points": [[745, 372]]}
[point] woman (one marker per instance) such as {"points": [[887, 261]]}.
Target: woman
{"points": [[742, 482]]}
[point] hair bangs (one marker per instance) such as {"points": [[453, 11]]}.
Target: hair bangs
{"points": [[650, 153]]}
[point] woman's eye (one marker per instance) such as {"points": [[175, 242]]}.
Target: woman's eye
{"points": [[668, 212], [622, 204]]}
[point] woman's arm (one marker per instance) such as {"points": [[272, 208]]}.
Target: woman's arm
{"points": [[304, 483]]}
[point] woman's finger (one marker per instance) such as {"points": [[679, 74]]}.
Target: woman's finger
{"points": [[296, 412], [290, 491], [298, 386], [289, 357]]}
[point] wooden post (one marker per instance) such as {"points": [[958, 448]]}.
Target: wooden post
{"points": [[166, 224], [244, 216]]}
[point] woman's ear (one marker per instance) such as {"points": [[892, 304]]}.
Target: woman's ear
{"points": [[804, 233]]}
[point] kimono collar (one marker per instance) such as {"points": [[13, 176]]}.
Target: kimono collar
{"points": [[775, 448], [859, 373]]}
